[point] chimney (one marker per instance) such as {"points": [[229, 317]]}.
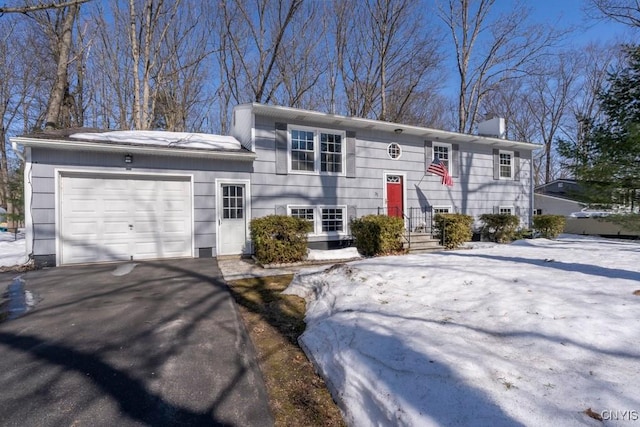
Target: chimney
{"points": [[494, 127]]}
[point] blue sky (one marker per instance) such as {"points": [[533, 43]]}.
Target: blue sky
{"points": [[572, 13]]}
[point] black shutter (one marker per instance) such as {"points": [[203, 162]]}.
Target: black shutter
{"points": [[428, 155], [281, 149], [351, 154], [455, 161]]}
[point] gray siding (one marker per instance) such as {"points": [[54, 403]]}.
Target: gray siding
{"points": [[242, 125], [204, 171], [475, 190]]}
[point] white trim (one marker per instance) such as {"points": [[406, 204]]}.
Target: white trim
{"points": [[511, 163], [384, 188], [317, 219], [449, 148], [449, 208], [96, 172], [399, 150], [247, 211], [316, 150], [344, 221], [28, 202], [512, 209], [315, 216]]}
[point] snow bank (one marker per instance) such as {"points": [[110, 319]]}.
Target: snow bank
{"points": [[532, 333]]}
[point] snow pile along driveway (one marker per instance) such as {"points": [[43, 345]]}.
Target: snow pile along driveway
{"points": [[531, 333]]}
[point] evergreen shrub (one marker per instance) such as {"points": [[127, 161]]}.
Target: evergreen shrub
{"points": [[453, 229], [377, 234], [279, 239]]}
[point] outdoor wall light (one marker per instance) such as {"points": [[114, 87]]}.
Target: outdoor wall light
{"points": [[128, 158]]}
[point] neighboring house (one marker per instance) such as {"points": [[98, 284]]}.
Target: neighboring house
{"points": [[94, 196], [558, 197]]}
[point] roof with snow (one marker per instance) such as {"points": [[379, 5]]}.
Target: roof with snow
{"points": [[136, 141]]}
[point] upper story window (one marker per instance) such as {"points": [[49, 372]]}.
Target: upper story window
{"points": [[330, 152], [302, 150], [394, 150], [316, 150], [443, 152], [506, 164]]}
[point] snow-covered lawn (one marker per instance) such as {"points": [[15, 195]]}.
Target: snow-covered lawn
{"points": [[12, 251], [532, 333]]}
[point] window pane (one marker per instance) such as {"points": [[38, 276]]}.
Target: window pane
{"points": [[332, 219], [505, 165], [442, 153], [330, 153], [302, 151]]}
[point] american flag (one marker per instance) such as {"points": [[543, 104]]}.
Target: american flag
{"points": [[437, 168]]}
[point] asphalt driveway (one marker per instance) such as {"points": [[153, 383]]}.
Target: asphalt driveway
{"points": [[159, 344]]}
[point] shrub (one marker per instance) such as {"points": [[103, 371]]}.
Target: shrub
{"points": [[549, 226], [453, 229], [523, 233], [378, 234], [499, 228], [279, 238]]}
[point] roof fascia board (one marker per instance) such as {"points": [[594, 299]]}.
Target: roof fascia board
{"points": [[358, 122], [122, 148]]}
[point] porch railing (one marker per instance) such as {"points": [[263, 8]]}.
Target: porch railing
{"points": [[417, 220]]}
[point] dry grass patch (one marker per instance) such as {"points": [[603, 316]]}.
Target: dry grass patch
{"points": [[297, 395]]}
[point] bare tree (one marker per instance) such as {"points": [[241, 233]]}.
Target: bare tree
{"points": [[27, 7], [623, 11], [551, 92], [19, 82], [252, 37], [490, 49], [386, 59]]}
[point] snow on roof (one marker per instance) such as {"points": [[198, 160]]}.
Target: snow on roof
{"points": [[161, 138]]}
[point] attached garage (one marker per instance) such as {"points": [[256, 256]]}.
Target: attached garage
{"points": [[124, 217], [94, 196]]}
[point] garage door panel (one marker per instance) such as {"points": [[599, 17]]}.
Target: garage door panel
{"points": [[122, 218]]}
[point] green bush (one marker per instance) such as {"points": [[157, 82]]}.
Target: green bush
{"points": [[378, 234], [279, 239], [523, 233], [456, 229], [499, 228], [549, 226]]}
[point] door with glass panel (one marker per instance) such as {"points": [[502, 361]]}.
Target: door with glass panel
{"points": [[232, 218]]}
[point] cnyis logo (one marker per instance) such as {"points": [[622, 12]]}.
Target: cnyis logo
{"points": [[617, 415]]}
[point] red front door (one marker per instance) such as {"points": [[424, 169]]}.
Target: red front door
{"points": [[394, 195]]}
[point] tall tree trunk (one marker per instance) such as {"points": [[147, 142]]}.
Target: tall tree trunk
{"points": [[60, 84]]}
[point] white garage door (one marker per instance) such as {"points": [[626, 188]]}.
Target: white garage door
{"points": [[107, 218]]}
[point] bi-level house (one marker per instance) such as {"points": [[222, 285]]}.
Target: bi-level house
{"points": [[95, 196]]}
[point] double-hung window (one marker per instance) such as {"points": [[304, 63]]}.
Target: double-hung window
{"points": [[506, 164], [319, 151], [443, 153], [302, 150], [325, 219]]}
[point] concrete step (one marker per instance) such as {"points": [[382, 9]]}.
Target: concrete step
{"points": [[421, 242]]}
